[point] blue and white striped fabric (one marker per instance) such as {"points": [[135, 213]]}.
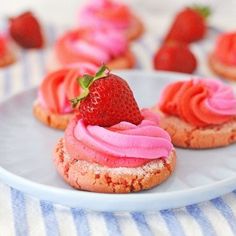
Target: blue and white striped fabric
{"points": [[23, 215]]}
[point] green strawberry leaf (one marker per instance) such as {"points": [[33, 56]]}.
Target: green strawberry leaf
{"points": [[204, 11], [86, 80]]}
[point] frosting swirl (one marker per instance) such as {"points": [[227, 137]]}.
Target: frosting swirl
{"points": [[200, 102], [96, 46], [60, 86], [105, 13], [225, 49], [123, 144]]}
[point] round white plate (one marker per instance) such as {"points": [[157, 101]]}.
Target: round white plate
{"points": [[26, 159]]}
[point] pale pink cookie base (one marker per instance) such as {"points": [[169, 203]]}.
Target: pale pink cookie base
{"points": [[227, 72], [126, 61], [7, 59], [50, 119], [93, 177], [188, 136], [136, 29]]}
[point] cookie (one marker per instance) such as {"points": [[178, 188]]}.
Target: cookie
{"points": [[50, 119], [89, 176], [225, 71], [186, 135]]}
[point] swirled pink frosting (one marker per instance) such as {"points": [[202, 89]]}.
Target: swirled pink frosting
{"points": [[200, 102], [124, 144], [60, 86], [105, 13], [96, 46]]}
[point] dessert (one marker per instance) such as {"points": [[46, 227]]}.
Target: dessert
{"points": [[111, 146], [95, 46], [198, 113], [52, 106], [175, 56], [26, 30], [7, 56], [189, 25], [111, 14], [222, 60]]}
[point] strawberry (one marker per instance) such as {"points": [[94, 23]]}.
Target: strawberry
{"points": [[175, 56], [26, 31], [189, 25], [107, 100]]}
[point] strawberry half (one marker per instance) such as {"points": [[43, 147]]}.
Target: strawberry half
{"points": [[175, 56], [189, 25], [26, 31], [107, 100]]}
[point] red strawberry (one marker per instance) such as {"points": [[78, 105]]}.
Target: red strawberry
{"points": [[107, 100], [26, 31], [174, 56], [189, 25]]}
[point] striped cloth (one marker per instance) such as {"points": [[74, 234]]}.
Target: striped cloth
{"points": [[23, 215]]}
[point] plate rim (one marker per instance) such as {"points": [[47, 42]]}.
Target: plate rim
{"points": [[38, 189]]}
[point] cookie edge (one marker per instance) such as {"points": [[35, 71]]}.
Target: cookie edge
{"points": [[93, 177]]}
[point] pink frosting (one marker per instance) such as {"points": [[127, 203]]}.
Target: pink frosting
{"points": [[225, 48], [200, 102], [94, 46], [105, 13], [221, 99], [60, 86], [64, 104], [126, 140]]}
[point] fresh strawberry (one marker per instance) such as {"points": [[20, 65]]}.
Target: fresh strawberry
{"points": [[26, 31], [189, 25], [175, 56], [107, 100]]}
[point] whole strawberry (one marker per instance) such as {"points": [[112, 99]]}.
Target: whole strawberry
{"points": [[189, 25], [26, 31], [107, 100], [175, 56]]}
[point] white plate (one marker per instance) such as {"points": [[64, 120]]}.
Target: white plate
{"points": [[26, 159]]}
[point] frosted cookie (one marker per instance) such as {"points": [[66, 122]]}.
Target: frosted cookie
{"points": [[94, 46], [52, 106], [112, 146], [113, 15], [199, 113], [222, 60], [7, 56]]}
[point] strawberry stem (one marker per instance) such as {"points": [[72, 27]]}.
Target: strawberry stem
{"points": [[204, 11], [85, 82]]}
